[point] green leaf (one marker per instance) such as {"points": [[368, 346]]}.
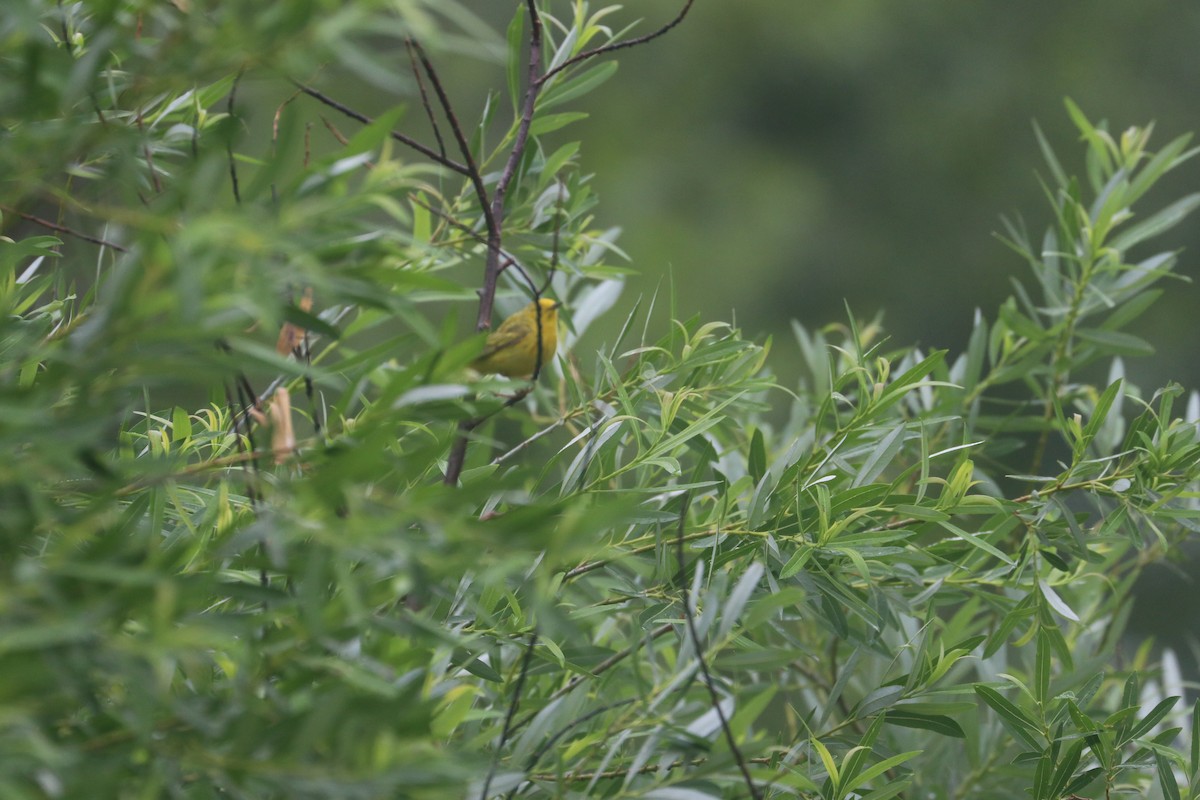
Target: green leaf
{"points": [[880, 456], [976, 541], [578, 85], [938, 723], [1017, 721], [551, 122], [1115, 342], [1157, 224], [1152, 718], [876, 770], [1166, 777]]}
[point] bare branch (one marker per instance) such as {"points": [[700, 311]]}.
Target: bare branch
{"points": [[458, 451], [508, 718], [492, 268], [233, 176], [608, 48], [473, 174], [601, 668], [699, 648], [437, 132], [45, 223], [437, 157]]}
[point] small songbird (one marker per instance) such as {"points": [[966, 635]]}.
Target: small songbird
{"points": [[512, 349]]}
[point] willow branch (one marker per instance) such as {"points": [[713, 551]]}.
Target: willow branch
{"points": [[533, 87], [601, 668], [424, 150], [699, 648], [45, 223], [473, 174], [433, 123], [608, 48], [508, 717]]}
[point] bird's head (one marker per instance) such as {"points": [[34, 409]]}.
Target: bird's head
{"points": [[547, 307]]}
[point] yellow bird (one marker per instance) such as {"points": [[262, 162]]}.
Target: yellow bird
{"points": [[512, 349]]}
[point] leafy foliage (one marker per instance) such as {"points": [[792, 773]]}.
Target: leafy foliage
{"points": [[646, 581]]}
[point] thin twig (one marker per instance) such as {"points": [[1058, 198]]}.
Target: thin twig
{"points": [[699, 648], [424, 150], [54, 226], [518, 448], [473, 174], [591, 566], [536, 756], [608, 48], [149, 156], [233, 176], [601, 668], [508, 718], [458, 451], [437, 132], [492, 266], [579, 777]]}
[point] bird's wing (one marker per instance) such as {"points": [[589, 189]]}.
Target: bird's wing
{"points": [[502, 339]]}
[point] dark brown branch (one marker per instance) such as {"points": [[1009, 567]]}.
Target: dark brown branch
{"points": [[429, 152], [508, 718], [608, 48], [699, 648], [437, 132], [561, 732], [458, 451], [494, 216], [473, 174], [601, 668], [492, 267], [45, 223], [233, 176]]}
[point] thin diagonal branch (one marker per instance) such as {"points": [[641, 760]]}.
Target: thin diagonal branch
{"points": [[437, 132], [608, 48], [601, 668], [473, 174], [512, 712], [458, 451], [54, 226], [424, 150], [233, 176], [533, 87], [699, 647], [536, 756]]}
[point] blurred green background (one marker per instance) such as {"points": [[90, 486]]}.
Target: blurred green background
{"points": [[781, 157]]}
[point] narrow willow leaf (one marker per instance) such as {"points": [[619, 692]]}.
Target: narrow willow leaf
{"points": [[938, 723], [738, 598], [1152, 718], [880, 457], [976, 541], [1166, 777], [878, 769], [1016, 720], [1056, 602]]}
